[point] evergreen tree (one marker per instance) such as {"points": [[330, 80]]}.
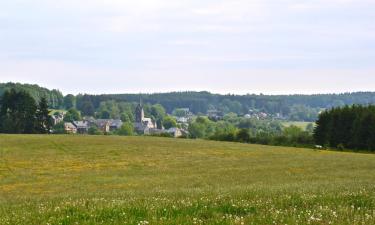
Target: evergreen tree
{"points": [[43, 119], [348, 127], [18, 112]]}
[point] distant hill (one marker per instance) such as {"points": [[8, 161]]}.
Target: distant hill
{"points": [[54, 97]]}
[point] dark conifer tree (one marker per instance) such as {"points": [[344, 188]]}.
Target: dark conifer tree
{"points": [[17, 114], [43, 119], [348, 127]]}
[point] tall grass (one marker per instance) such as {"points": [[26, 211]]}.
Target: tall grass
{"points": [[148, 180]]}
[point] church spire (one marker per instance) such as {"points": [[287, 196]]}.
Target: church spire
{"points": [[139, 113], [140, 100]]}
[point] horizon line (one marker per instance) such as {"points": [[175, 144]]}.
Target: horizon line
{"points": [[196, 91]]}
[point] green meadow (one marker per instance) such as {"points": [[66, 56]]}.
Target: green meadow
{"points": [[148, 180]]}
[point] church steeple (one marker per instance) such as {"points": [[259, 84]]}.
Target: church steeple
{"points": [[139, 112]]}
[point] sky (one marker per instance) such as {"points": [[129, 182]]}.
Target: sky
{"points": [[221, 46]]}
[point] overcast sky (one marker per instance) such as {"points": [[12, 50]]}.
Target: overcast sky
{"points": [[230, 46]]}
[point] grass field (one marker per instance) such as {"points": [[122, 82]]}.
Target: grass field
{"points": [[144, 180]]}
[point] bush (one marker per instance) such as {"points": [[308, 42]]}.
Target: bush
{"points": [[94, 130], [59, 128], [126, 129], [243, 135]]}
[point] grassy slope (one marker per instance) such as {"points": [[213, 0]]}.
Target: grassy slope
{"points": [[117, 180]]}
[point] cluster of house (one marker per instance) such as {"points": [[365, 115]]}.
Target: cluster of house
{"points": [[142, 125], [82, 127], [215, 115], [256, 115]]}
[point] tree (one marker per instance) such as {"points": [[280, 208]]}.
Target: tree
{"points": [[202, 127], [169, 122], [43, 119], [69, 101], [18, 112], [59, 128], [88, 108], [72, 115], [158, 113], [197, 130], [243, 135], [348, 127], [94, 130], [227, 106], [126, 129], [53, 97], [292, 131], [179, 112], [105, 114], [224, 131]]}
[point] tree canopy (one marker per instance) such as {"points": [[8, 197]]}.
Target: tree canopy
{"points": [[350, 127], [19, 114]]}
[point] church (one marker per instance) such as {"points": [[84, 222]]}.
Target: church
{"points": [[142, 124]]}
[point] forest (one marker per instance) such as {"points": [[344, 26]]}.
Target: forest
{"points": [[291, 107], [54, 97]]}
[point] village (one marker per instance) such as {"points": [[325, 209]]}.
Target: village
{"points": [[142, 124]]}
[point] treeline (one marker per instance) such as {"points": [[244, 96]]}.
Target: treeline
{"points": [[20, 114], [351, 127], [292, 107], [54, 98]]}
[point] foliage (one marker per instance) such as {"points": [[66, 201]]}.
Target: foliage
{"points": [[54, 97], [126, 129], [105, 114], [18, 113], [169, 122], [298, 107], [224, 131], [303, 113], [43, 119], [347, 127], [292, 107], [243, 135], [94, 130], [179, 112], [59, 128], [238, 129], [158, 114], [72, 115], [202, 127], [87, 108], [69, 101]]}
